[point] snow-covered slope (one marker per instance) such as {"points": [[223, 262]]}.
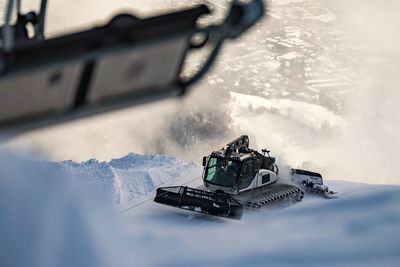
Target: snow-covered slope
{"points": [[51, 220], [359, 228], [306, 114], [129, 178]]}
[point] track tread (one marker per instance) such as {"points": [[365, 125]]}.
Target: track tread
{"points": [[294, 193]]}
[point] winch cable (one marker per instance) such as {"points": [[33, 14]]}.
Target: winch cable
{"points": [[151, 198]]}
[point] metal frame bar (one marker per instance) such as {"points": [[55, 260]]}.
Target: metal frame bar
{"points": [[8, 31], [41, 22]]}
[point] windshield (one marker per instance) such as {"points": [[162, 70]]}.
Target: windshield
{"points": [[222, 171]]}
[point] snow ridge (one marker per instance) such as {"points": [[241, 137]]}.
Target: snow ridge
{"points": [[309, 115], [127, 178]]}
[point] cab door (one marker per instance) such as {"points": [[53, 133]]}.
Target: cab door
{"points": [[247, 176]]}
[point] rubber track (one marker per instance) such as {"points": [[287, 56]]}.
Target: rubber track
{"points": [[293, 193]]}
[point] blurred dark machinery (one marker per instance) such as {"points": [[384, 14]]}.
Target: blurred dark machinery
{"points": [[128, 61]]}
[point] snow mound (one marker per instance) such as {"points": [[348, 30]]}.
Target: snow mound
{"points": [[128, 178]]}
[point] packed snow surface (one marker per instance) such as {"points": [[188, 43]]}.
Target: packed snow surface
{"points": [[47, 219], [359, 228]]}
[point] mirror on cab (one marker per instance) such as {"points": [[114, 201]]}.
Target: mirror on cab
{"points": [[204, 161]]}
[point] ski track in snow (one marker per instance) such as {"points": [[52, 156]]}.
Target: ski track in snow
{"points": [[122, 196]]}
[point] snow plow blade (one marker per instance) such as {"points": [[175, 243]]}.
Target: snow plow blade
{"points": [[330, 194], [312, 183], [306, 173], [197, 200]]}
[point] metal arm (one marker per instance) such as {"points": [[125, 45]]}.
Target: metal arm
{"points": [[238, 143], [39, 34]]}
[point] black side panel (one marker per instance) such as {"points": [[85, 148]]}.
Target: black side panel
{"points": [[201, 201], [80, 97]]}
